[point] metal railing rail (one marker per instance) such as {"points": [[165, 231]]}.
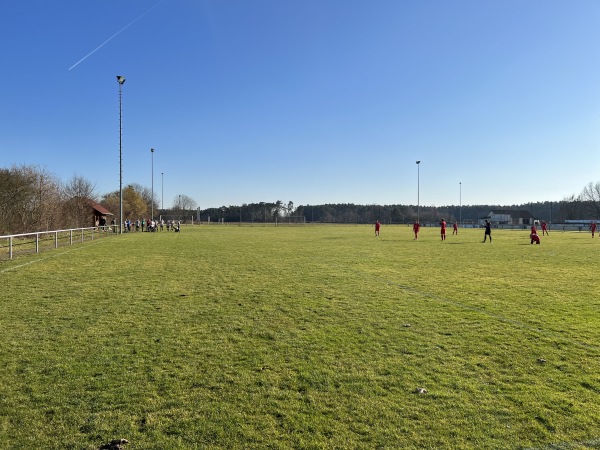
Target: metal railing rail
{"points": [[35, 242]]}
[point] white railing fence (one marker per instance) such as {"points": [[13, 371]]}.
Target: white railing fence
{"points": [[29, 243]]}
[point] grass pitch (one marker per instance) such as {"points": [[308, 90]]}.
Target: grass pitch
{"points": [[228, 337]]}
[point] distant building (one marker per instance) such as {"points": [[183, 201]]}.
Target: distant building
{"points": [[508, 217]]}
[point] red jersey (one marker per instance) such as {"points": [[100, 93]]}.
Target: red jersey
{"points": [[443, 225], [416, 227]]}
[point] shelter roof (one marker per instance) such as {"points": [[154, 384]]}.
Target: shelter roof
{"points": [[99, 208]]}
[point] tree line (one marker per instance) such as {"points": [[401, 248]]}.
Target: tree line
{"points": [[584, 206], [346, 213], [32, 199]]}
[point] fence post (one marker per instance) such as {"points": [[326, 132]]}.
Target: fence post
{"points": [[10, 239], [56, 239], [37, 242]]}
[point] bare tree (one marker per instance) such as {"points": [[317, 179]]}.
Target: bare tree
{"points": [[29, 200], [183, 203], [79, 186], [571, 207], [591, 196], [15, 191], [79, 193], [50, 201], [290, 208], [277, 210]]}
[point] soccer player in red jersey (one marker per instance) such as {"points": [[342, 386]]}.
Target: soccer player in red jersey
{"points": [[455, 229], [533, 229], [544, 228], [377, 227], [443, 229], [416, 228], [534, 238], [593, 228]]}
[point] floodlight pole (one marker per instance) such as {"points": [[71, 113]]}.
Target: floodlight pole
{"points": [[162, 190], [152, 201], [418, 187], [120, 80]]}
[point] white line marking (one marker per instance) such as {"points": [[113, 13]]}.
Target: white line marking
{"points": [[53, 255]]}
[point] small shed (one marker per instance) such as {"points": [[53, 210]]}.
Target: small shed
{"points": [[508, 217], [100, 213]]}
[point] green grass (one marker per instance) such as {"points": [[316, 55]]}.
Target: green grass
{"points": [[228, 337]]}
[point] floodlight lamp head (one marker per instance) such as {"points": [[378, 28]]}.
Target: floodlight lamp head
{"points": [[151, 150], [120, 79], [418, 162]]}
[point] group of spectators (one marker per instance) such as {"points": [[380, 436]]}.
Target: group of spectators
{"points": [[152, 225]]}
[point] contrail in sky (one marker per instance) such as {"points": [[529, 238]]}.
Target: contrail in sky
{"points": [[114, 36]]}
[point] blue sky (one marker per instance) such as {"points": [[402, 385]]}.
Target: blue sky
{"points": [[307, 101]]}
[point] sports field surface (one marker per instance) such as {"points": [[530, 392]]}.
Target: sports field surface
{"points": [[307, 337]]}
